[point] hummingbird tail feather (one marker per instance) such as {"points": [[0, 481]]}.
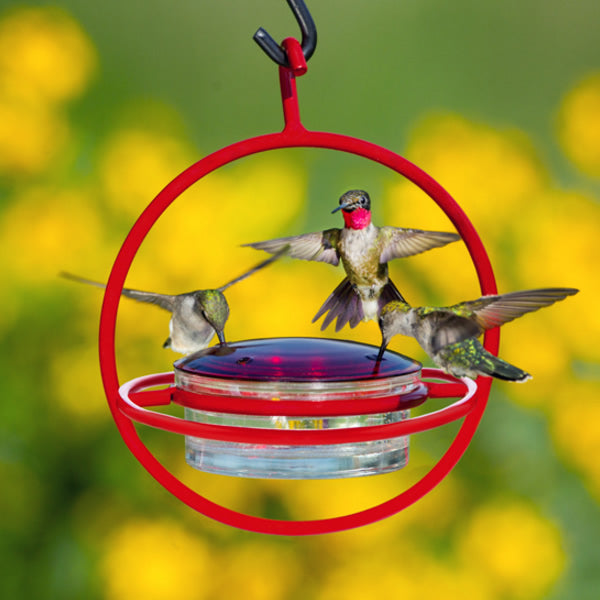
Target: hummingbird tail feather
{"points": [[468, 357], [496, 367], [342, 304]]}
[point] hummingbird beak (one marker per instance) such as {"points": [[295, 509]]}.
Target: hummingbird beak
{"points": [[221, 337], [382, 348], [342, 207]]}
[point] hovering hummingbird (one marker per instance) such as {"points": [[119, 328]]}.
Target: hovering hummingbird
{"points": [[364, 250], [196, 316], [449, 334]]}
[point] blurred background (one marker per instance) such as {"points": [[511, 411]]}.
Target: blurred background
{"points": [[102, 104]]}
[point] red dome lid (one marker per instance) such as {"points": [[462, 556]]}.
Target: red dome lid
{"points": [[296, 360]]}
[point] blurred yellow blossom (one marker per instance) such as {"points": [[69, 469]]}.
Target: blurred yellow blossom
{"points": [[194, 242], [558, 248], [382, 573], [534, 344], [31, 136], [402, 570], [517, 549], [48, 229], [259, 571], [574, 427], [136, 164], [75, 381], [281, 301], [44, 54], [156, 560], [579, 124], [489, 172]]}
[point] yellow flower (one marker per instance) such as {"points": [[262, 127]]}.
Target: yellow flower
{"points": [[487, 171], [280, 301], [257, 571], [47, 230], [75, 381], [557, 247], [156, 560], [402, 571], [574, 427], [137, 164], [518, 550], [579, 124], [195, 244], [44, 54], [490, 174], [534, 344], [31, 136]]}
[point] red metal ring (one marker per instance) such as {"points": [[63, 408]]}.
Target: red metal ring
{"points": [[254, 435], [293, 135]]}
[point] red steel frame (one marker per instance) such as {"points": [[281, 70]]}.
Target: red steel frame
{"points": [[124, 408]]}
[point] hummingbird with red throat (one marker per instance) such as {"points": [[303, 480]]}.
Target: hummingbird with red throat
{"points": [[364, 250]]}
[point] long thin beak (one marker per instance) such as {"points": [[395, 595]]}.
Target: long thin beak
{"points": [[341, 207], [221, 336], [382, 348]]}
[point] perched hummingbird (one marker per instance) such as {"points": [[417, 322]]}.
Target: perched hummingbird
{"points": [[364, 250], [449, 334], [196, 316]]}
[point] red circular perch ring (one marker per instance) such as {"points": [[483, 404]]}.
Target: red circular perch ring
{"points": [[124, 409], [133, 400]]}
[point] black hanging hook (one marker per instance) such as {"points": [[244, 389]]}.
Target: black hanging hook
{"points": [[307, 27]]}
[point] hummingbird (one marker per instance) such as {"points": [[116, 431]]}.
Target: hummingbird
{"points": [[195, 316], [449, 334], [364, 250]]}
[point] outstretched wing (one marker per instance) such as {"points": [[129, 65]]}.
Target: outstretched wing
{"points": [[398, 242], [448, 328], [491, 311], [160, 300], [319, 246], [255, 268]]}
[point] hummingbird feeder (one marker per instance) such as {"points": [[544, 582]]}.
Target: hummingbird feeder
{"points": [[293, 408]]}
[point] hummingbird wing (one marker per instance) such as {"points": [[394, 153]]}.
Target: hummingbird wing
{"points": [[160, 300], [319, 246], [445, 327], [397, 242], [256, 268], [492, 311]]}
